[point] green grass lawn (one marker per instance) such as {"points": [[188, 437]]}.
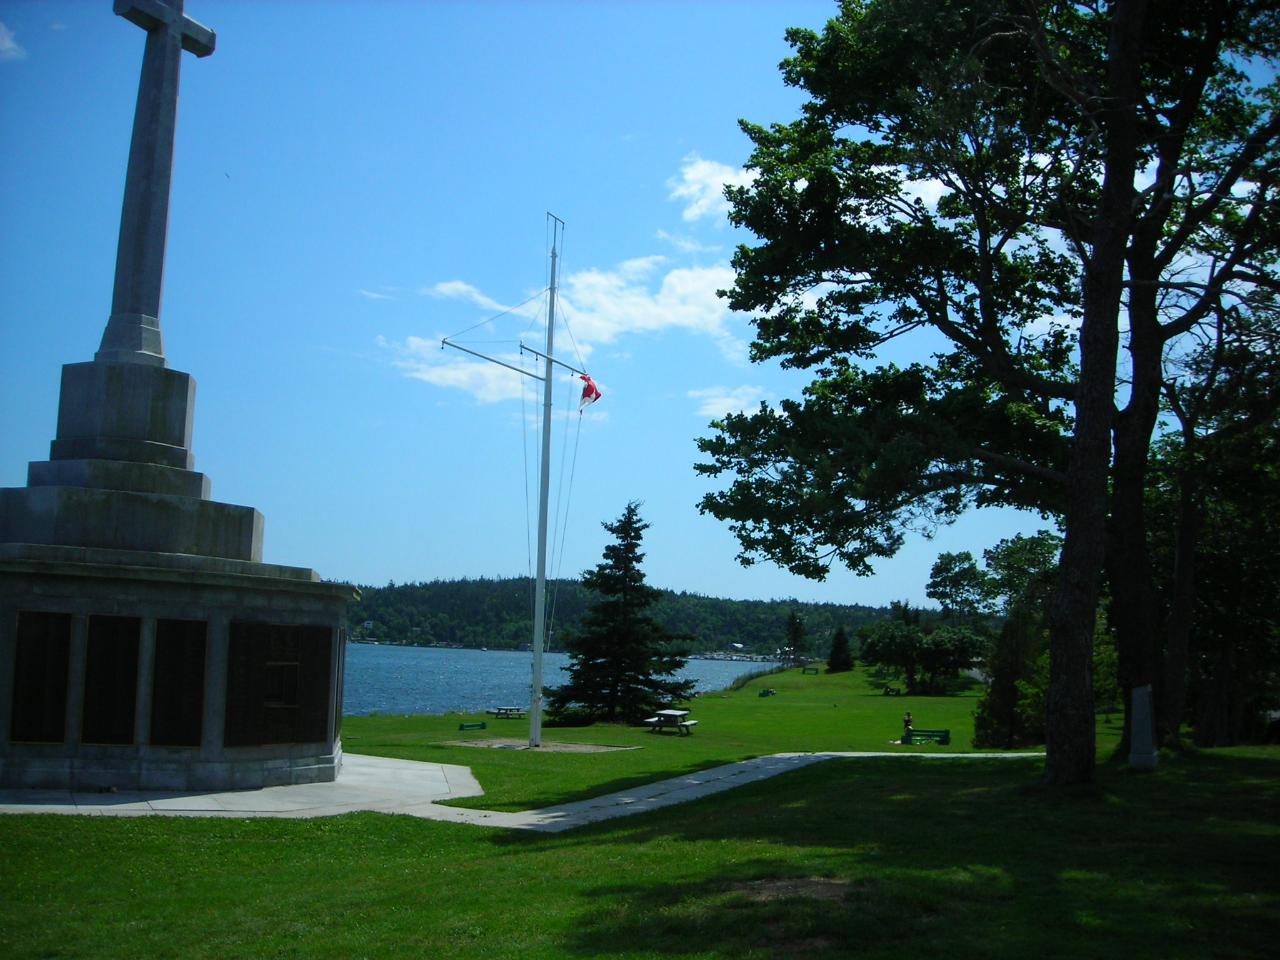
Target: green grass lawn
{"points": [[846, 711], [876, 858]]}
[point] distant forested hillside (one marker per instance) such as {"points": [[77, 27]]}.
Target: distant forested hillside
{"points": [[499, 614]]}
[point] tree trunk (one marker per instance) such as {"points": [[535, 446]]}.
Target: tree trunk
{"points": [[1135, 609], [1182, 608], [1213, 723], [1070, 749], [1069, 720]]}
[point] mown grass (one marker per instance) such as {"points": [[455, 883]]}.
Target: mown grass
{"points": [[875, 858], [844, 711], [870, 858]]}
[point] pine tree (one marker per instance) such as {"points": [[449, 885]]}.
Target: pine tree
{"points": [[621, 660], [841, 658]]}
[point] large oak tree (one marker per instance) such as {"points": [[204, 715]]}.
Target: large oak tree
{"points": [[1046, 198]]}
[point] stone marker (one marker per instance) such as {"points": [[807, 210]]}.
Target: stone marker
{"points": [[143, 642], [1142, 740]]}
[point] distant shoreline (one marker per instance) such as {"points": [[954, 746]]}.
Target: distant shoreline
{"points": [[732, 657]]}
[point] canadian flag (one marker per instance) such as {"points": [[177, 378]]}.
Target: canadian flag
{"points": [[590, 392]]}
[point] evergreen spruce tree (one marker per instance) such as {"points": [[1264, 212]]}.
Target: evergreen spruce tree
{"points": [[841, 658], [621, 661]]}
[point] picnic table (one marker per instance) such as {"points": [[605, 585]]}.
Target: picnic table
{"points": [[671, 720], [508, 713]]}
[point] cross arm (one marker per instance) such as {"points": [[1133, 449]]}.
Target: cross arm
{"points": [[151, 14]]}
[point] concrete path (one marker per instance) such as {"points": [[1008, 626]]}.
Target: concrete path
{"points": [[384, 785]]}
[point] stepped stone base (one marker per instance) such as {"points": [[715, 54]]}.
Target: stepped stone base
{"points": [[127, 520], [119, 475], [143, 643], [168, 672]]}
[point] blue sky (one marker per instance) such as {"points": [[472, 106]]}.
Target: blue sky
{"points": [[354, 181]]}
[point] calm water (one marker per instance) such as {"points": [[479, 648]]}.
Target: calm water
{"points": [[434, 680]]}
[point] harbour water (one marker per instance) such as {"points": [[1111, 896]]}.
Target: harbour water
{"points": [[409, 680]]}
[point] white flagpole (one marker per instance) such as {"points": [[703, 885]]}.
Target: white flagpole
{"points": [[544, 483], [540, 588]]}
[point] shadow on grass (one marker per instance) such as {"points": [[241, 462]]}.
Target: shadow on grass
{"points": [[878, 858]]}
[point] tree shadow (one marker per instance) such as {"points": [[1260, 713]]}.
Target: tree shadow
{"points": [[963, 858]]}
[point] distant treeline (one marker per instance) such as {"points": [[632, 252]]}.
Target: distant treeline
{"points": [[498, 614]]}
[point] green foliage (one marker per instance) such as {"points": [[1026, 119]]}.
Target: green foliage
{"points": [[945, 652], [959, 586], [497, 613], [1234, 656], [1031, 705], [621, 659], [998, 721], [960, 172], [902, 97], [840, 659], [1021, 570], [1020, 574], [925, 656], [1106, 671], [1032, 685], [894, 645]]}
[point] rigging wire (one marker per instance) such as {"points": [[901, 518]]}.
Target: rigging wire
{"points": [[562, 520], [573, 340], [573, 469], [496, 316], [526, 385], [524, 450]]}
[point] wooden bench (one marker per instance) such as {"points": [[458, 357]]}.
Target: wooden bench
{"points": [[813, 670], [942, 737], [480, 725], [662, 723]]}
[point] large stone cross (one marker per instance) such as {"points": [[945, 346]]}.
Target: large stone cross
{"points": [[133, 331]]}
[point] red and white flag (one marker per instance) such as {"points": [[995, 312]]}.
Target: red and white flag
{"points": [[590, 392]]}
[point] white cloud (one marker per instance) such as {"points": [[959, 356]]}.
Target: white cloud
{"points": [[638, 268], [687, 244], [10, 49], [460, 290], [1052, 323], [371, 295], [424, 360], [720, 401], [637, 297], [603, 305], [929, 192], [701, 184]]}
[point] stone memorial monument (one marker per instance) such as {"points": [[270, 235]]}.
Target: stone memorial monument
{"points": [[143, 642]]}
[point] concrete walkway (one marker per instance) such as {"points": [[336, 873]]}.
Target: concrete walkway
{"points": [[384, 785]]}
